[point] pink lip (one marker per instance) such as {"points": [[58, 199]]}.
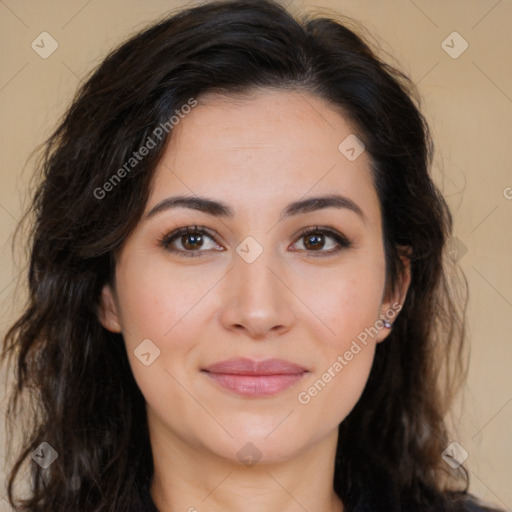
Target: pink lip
{"points": [[252, 378]]}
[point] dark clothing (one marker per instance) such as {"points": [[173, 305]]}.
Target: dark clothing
{"points": [[471, 504]]}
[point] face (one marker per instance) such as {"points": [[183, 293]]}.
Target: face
{"points": [[256, 280]]}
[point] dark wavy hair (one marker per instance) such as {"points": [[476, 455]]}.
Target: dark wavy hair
{"points": [[73, 385]]}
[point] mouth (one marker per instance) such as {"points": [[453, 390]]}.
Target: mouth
{"points": [[250, 378]]}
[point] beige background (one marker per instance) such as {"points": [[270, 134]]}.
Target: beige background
{"points": [[468, 101]]}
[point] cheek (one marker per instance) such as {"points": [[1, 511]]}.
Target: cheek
{"points": [[169, 307], [346, 301], [348, 304], [333, 393], [345, 350], [155, 299], [161, 307]]}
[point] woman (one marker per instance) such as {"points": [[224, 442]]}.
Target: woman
{"points": [[238, 291]]}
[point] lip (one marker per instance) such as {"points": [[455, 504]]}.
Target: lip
{"points": [[245, 366], [247, 377]]}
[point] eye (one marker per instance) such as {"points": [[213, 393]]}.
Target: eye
{"points": [[192, 241], [315, 240], [191, 238]]}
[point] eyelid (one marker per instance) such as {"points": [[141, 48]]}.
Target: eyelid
{"points": [[166, 240], [326, 228], [341, 240]]}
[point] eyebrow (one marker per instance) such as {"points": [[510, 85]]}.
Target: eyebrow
{"points": [[220, 209]]}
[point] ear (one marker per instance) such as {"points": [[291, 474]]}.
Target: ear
{"points": [[107, 311], [393, 302]]}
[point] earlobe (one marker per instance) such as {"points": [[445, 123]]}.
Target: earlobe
{"points": [[392, 307], [107, 311], [385, 322]]}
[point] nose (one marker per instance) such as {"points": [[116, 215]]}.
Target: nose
{"points": [[257, 298]]}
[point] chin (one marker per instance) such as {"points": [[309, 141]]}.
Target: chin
{"points": [[253, 444]]}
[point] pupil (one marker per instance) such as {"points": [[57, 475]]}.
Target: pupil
{"points": [[317, 240], [195, 240]]}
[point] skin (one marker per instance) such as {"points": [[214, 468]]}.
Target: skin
{"points": [[257, 154]]}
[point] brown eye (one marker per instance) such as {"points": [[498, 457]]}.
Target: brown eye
{"points": [[315, 239], [188, 241], [191, 241]]}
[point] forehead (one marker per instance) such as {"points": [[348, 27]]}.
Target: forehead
{"points": [[268, 146], [265, 117]]}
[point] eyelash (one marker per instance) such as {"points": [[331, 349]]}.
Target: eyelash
{"points": [[342, 241]]}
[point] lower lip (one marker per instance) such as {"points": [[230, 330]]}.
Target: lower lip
{"points": [[255, 385]]}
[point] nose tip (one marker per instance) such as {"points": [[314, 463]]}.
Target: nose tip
{"points": [[256, 301], [258, 328]]}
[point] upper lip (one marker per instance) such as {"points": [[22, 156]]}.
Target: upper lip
{"points": [[245, 366]]}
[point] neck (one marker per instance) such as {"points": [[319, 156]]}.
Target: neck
{"points": [[193, 479]]}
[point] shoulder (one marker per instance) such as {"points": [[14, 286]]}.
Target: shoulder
{"points": [[470, 503], [472, 506]]}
